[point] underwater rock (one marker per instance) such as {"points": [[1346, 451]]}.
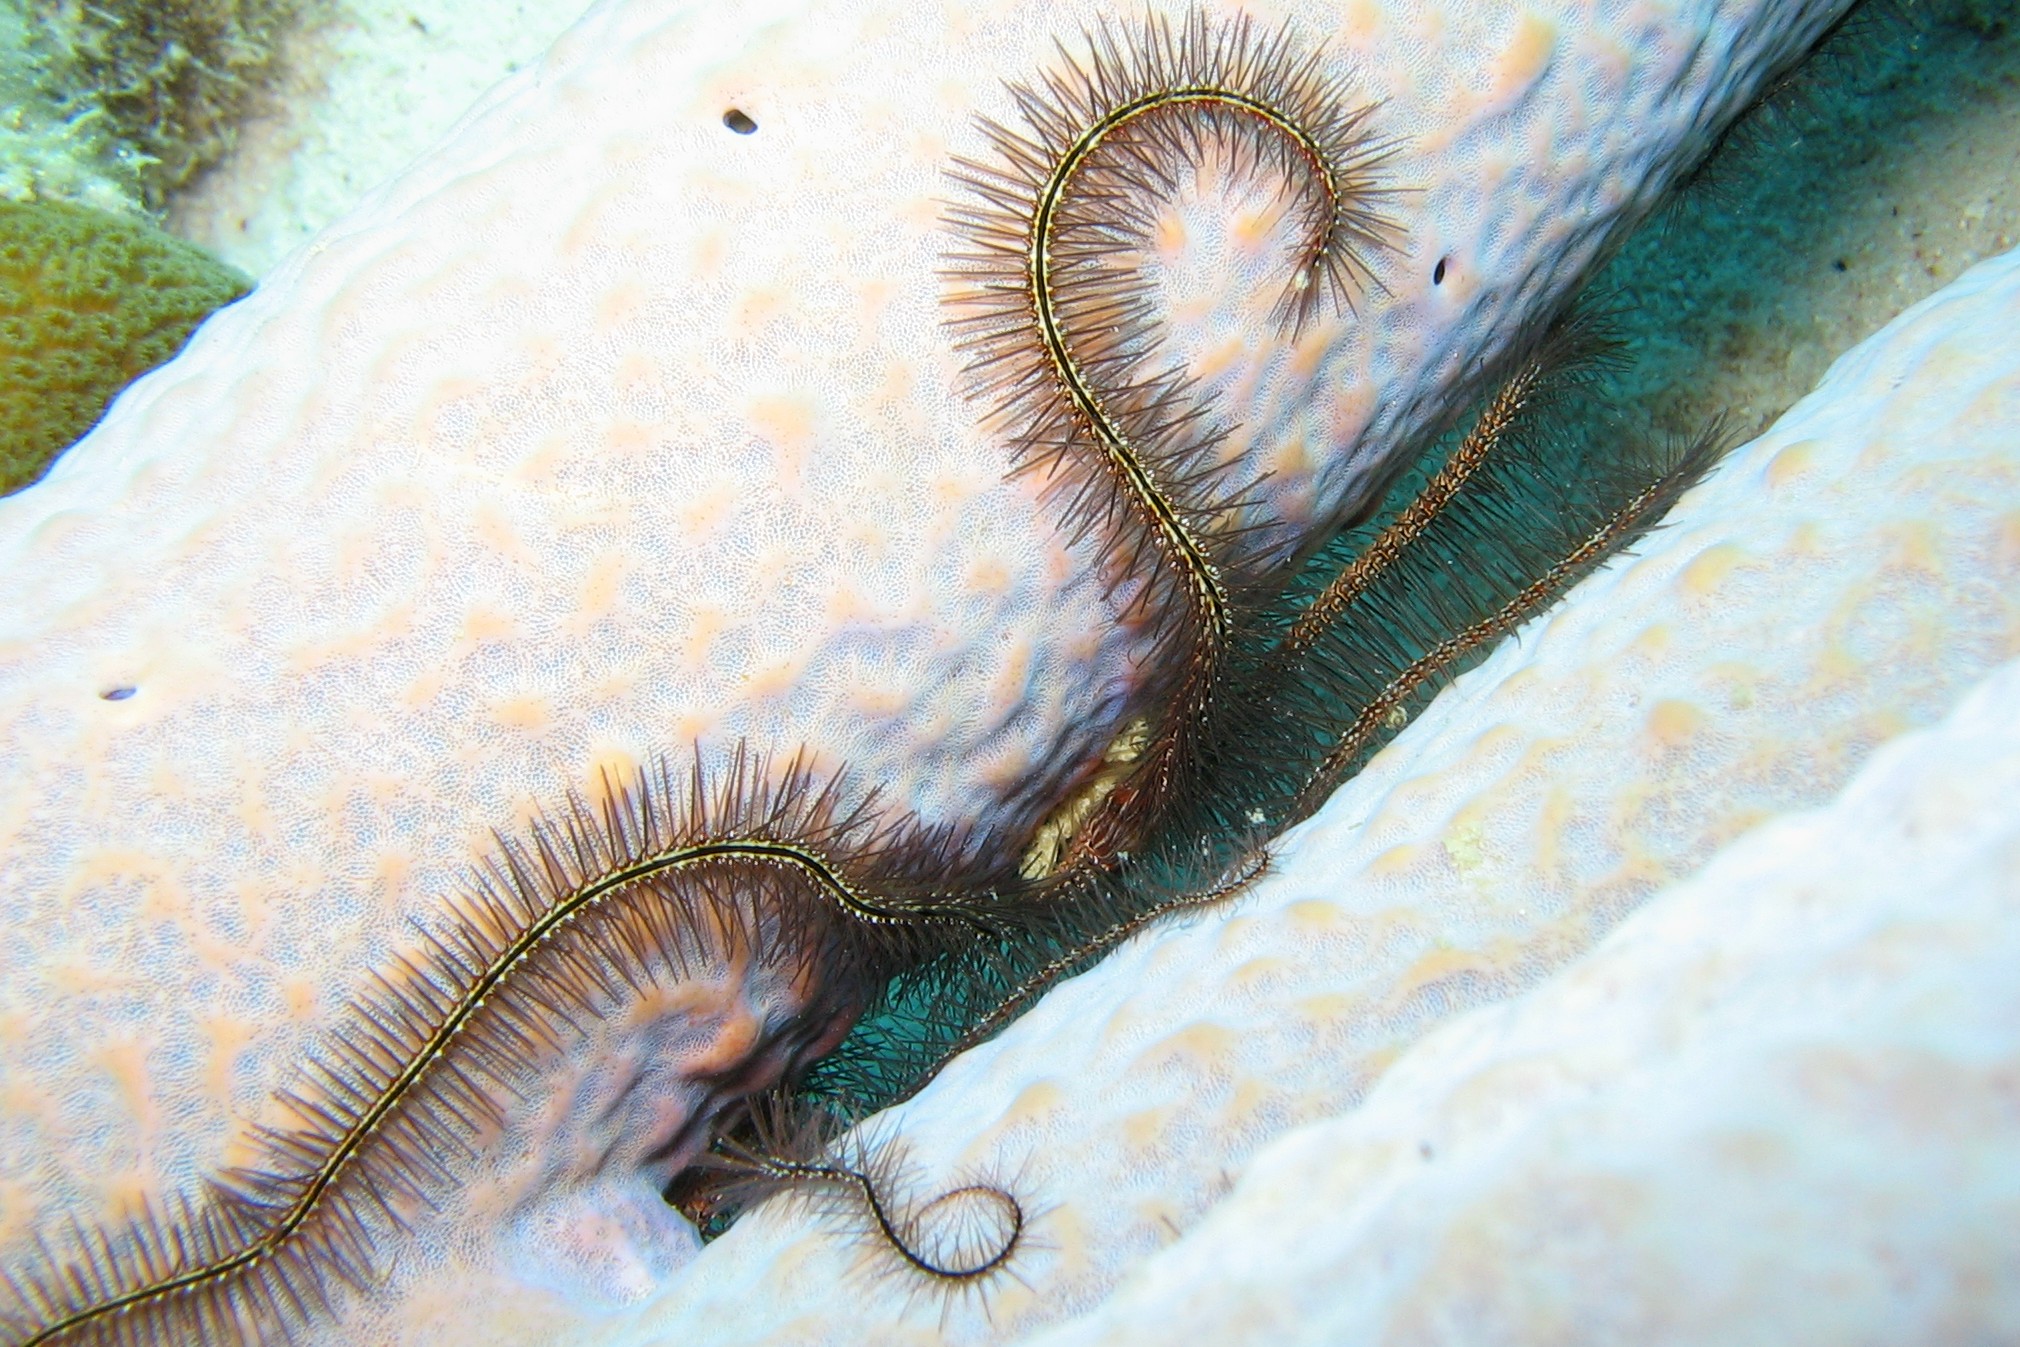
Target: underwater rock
{"points": [[164, 83], [361, 89], [47, 150]]}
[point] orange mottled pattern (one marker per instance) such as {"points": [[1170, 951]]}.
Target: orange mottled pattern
{"points": [[1417, 1033], [606, 436]]}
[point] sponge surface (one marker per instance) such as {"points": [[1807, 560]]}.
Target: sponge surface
{"points": [[1845, 578]]}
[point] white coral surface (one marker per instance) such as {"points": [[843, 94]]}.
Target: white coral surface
{"points": [[1849, 575]]}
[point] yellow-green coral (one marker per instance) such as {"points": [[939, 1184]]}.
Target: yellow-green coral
{"points": [[88, 303]]}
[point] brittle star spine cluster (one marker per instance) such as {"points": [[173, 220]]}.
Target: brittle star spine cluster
{"points": [[1051, 301], [660, 879]]}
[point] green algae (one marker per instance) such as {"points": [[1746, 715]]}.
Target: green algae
{"points": [[121, 103], [54, 142]]}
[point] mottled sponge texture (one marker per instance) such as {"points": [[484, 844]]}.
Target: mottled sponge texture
{"points": [[88, 303]]}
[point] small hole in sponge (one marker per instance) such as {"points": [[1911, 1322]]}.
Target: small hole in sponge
{"points": [[1438, 273], [118, 694], [737, 120]]}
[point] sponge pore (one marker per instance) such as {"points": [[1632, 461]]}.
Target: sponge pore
{"points": [[88, 303]]}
